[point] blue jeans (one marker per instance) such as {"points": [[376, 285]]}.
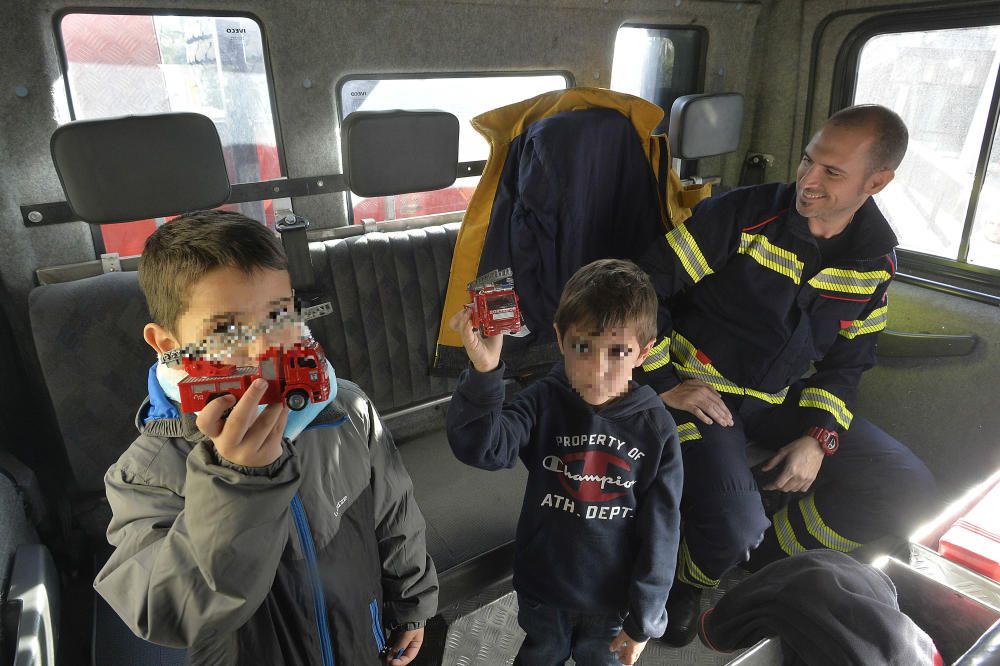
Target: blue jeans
{"points": [[553, 635]]}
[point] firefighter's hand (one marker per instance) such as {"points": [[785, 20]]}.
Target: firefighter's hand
{"points": [[483, 352], [700, 399], [802, 458], [406, 644], [245, 437], [628, 650]]}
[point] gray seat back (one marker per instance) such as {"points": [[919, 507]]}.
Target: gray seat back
{"points": [[387, 291], [88, 335]]}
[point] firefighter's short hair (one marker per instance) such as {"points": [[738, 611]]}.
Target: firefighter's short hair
{"points": [[183, 250], [891, 135], [609, 293]]}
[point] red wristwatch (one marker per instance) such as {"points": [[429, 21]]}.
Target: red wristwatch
{"points": [[828, 440]]}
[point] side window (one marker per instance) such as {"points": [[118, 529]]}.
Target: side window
{"points": [[466, 96], [123, 64], [945, 202], [659, 64]]}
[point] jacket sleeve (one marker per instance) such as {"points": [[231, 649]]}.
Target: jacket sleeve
{"points": [[409, 580], [828, 397], [482, 431], [658, 531], [683, 257], [196, 550]]}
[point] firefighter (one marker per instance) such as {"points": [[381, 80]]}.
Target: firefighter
{"points": [[757, 285]]}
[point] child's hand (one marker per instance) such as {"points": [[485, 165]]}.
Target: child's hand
{"points": [[483, 352], [628, 650], [245, 437], [406, 644]]}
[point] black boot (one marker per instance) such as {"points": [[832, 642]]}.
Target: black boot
{"points": [[683, 609]]}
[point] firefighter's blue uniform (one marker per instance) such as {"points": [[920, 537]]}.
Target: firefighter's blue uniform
{"points": [[748, 302]]}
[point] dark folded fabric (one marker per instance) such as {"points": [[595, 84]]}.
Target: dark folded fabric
{"points": [[826, 608]]}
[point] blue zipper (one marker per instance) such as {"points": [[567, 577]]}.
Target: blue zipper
{"points": [[377, 626], [309, 549]]}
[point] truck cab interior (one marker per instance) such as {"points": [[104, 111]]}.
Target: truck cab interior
{"points": [[348, 127]]}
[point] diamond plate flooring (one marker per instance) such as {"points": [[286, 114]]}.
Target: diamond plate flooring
{"points": [[483, 631]]}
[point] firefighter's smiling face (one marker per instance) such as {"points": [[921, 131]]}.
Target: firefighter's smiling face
{"points": [[836, 176], [225, 307], [599, 364]]}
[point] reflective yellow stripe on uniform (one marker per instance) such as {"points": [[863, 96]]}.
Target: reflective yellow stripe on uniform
{"points": [[687, 250], [688, 572], [772, 398], [688, 432], [659, 356], [820, 531], [689, 366], [779, 260], [817, 398], [786, 535], [849, 282], [873, 324]]}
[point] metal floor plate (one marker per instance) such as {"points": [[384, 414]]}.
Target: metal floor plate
{"points": [[483, 632]]}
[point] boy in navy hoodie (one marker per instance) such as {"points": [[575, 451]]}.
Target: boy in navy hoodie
{"points": [[597, 538]]}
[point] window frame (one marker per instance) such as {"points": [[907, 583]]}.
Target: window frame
{"points": [[958, 272], [397, 76], [703, 50], [57, 18]]}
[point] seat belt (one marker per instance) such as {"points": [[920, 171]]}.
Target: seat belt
{"points": [[293, 237]]}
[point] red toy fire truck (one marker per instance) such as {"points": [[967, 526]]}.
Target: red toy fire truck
{"points": [[494, 304], [294, 376]]}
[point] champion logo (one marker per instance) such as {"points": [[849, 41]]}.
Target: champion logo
{"points": [[590, 476]]}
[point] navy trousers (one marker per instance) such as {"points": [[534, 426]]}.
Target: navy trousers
{"points": [[872, 487], [554, 634]]}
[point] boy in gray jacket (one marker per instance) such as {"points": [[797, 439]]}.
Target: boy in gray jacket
{"points": [[250, 535]]}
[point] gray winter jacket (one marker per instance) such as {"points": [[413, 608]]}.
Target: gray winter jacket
{"points": [[294, 563]]}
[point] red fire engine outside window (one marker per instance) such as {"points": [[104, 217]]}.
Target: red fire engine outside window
{"points": [[466, 96], [123, 64]]}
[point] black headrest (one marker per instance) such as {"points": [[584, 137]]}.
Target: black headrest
{"points": [[138, 167], [705, 125], [394, 152]]}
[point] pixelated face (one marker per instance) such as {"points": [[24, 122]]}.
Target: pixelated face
{"points": [[599, 364], [233, 317], [834, 177]]}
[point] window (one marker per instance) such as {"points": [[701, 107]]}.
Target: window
{"points": [[659, 64], [945, 201], [466, 96], [121, 64]]}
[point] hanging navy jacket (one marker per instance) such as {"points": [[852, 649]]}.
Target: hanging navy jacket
{"points": [[747, 302], [576, 187], [600, 520]]}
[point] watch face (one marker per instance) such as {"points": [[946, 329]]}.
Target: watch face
{"points": [[831, 443]]}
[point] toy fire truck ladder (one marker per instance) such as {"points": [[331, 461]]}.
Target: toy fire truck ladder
{"points": [[493, 278]]}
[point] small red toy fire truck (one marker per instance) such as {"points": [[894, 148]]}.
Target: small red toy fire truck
{"points": [[294, 376], [494, 304]]}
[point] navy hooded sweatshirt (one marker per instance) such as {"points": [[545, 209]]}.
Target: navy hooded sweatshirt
{"points": [[600, 521]]}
